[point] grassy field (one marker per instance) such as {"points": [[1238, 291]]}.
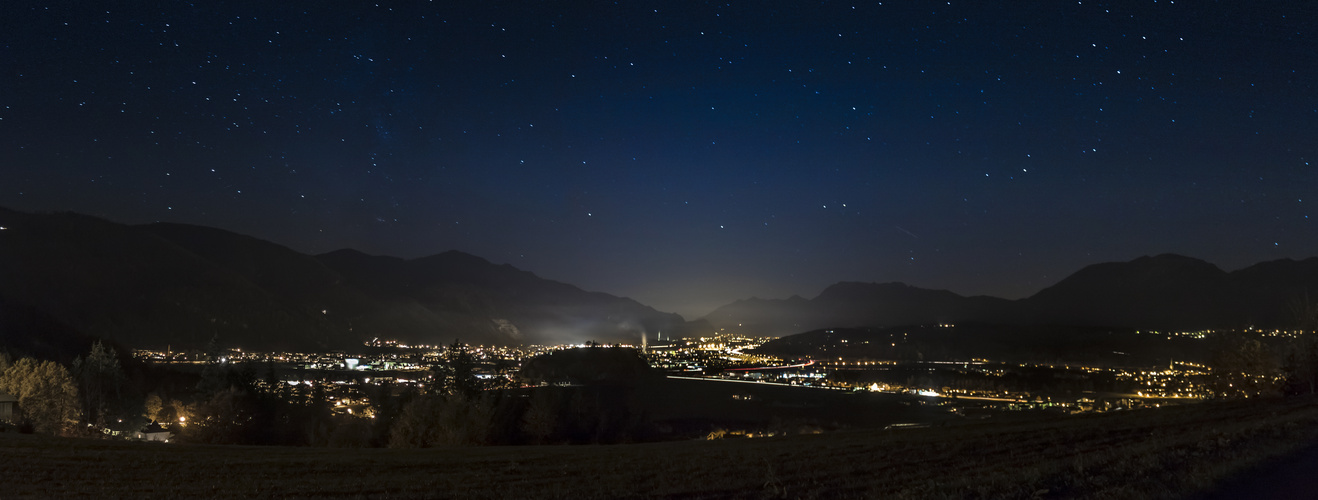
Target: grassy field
{"points": [[1163, 453]]}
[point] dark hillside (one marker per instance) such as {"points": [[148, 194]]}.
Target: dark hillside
{"points": [[1146, 454], [891, 304], [1270, 291], [1162, 292], [181, 285], [853, 304], [588, 365], [769, 317], [497, 303], [273, 267], [1166, 291], [132, 286], [25, 331]]}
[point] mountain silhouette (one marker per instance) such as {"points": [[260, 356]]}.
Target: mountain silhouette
{"points": [[1161, 292], [181, 285], [71, 276]]}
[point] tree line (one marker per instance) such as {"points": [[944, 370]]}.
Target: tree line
{"points": [[55, 399], [244, 403]]}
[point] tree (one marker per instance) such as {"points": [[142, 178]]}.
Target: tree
{"points": [[453, 420], [47, 395], [154, 406], [1304, 312], [314, 417], [272, 384], [388, 407], [100, 382], [417, 426], [228, 416], [213, 350], [458, 376], [1302, 360], [1243, 366], [219, 377], [541, 420]]}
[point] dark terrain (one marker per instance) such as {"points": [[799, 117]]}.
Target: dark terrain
{"points": [[161, 285], [1169, 292], [1166, 453], [171, 284]]}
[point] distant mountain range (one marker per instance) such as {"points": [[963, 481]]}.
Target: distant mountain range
{"points": [[159, 285], [1162, 292], [71, 276]]}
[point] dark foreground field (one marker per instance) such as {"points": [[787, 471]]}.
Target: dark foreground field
{"points": [[1164, 453]]}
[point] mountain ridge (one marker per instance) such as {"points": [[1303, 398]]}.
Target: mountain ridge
{"points": [[154, 284], [1164, 291]]}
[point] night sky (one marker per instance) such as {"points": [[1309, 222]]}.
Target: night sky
{"points": [[682, 154]]}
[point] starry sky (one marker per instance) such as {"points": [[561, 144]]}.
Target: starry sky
{"points": [[684, 154]]}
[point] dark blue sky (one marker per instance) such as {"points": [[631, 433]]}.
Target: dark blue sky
{"points": [[684, 154]]}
